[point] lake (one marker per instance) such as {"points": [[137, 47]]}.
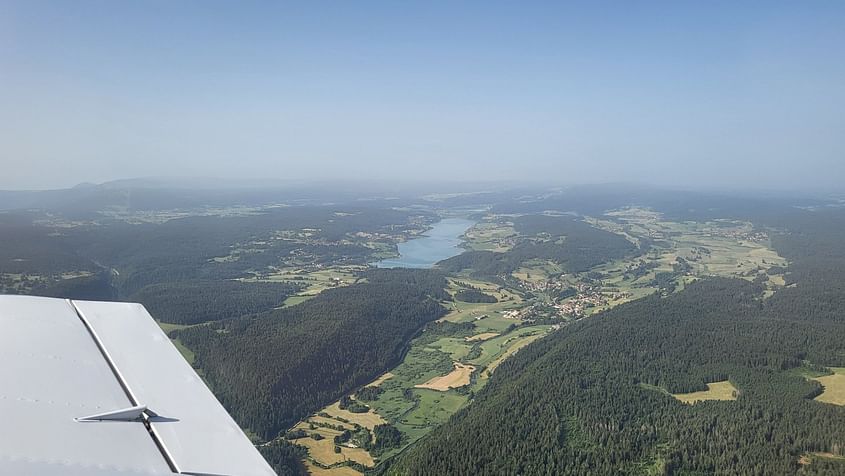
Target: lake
{"points": [[439, 243]]}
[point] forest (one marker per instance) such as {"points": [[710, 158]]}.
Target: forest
{"points": [[194, 248], [594, 397], [272, 369], [566, 240], [195, 302]]}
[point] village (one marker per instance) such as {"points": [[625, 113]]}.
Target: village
{"points": [[567, 299]]}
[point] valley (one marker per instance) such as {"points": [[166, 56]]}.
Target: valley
{"points": [[337, 366]]}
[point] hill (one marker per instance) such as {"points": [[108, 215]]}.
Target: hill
{"points": [[273, 369], [595, 397]]}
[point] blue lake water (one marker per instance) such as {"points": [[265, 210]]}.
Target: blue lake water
{"points": [[439, 243]]}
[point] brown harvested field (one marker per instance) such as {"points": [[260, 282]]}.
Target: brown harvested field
{"points": [[323, 452], [723, 390], [369, 419], [484, 336], [339, 471], [834, 387], [454, 379]]}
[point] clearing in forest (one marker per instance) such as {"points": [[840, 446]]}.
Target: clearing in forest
{"points": [[368, 420], [380, 380], [454, 379], [808, 458], [834, 387], [315, 470], [491, 236], [723, 390]]}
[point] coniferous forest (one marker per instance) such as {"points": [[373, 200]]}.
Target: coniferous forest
{"points": [[272, 369], [594, 397]]}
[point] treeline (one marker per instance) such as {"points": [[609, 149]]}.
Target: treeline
{"points": [[592, 398], [273, 369], [194, 302], [284, 457], [563, 239]]}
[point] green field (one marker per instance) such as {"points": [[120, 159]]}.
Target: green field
{"points": [[187, 353], [313, 282], [723, 390], [834, 387], [490, 236]]}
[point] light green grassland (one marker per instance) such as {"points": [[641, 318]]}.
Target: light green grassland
{"points": [[313, 282], [723, 390], [187, 353], [834, 387], [717, 248], [807, 373], [468, 312], [490, 236]]}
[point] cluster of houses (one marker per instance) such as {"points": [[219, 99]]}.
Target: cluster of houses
{"points": [[740, 234]]}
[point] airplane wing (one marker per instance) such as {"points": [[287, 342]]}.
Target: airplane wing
{"points": [[89, 388]]}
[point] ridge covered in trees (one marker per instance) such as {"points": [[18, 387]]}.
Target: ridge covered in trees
{"points": [[593, 398], [202, 301], [273, 369]]}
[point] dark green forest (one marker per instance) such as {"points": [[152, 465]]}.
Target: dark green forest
{"points": [[474, 296], [275, 368], [202, 301], [592, 398]]}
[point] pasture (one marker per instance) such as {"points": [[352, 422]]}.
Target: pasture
{"points": [[834, 387], [312, 282], [723, 390], [481, 337], [490, 236]]}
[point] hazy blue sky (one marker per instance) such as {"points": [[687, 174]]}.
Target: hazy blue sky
{"points": [[723, 93]]}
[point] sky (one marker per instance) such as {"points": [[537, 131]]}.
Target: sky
{"points": [[693, 94]]}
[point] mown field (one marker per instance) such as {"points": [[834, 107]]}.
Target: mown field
{"points": [[723, 390], [312, 282], [834, 387]]}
